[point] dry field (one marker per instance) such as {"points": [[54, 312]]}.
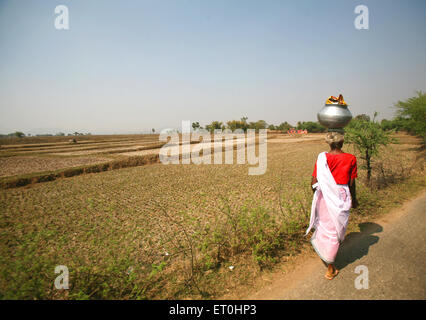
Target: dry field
{"points": [[25, 162], [45, 160], [173, 231], [11, 166]]}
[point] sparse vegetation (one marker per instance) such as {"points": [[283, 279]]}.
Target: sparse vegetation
{"points": [[410, 116], [412, 113], [367, 137]]}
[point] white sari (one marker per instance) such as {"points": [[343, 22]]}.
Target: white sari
{"points": [[329, 212]]}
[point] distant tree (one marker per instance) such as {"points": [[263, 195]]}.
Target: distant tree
{"points": [[412, 114], [261, 124], [196, 126], [233, 124], [244, 125], [314, 127], [367, 137], [153, 130], [215, 125], [237, 124], [386, 124], [19, 134], [60, 134], [284, 126], [396, 124], [362, 117]]}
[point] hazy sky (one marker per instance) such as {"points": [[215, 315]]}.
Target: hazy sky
{"points": [[129, 66]]}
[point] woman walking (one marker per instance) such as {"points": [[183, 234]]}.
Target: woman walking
{"points": [[333, 183]]}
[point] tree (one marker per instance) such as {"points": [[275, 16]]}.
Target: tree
{"points": [[412, 113], [153, 130], [284, 126], [244, 124], [215, 125], [396, 124], [261, 124], [19, 134], [311, 126], [237, 124], [196, 126], [362, 116], [367, 137]]}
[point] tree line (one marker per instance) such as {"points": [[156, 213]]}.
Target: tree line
{"points": [[410, 117], [244, 125], [20, 134]]}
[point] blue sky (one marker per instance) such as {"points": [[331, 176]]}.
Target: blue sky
{"points": [[129, 66]]}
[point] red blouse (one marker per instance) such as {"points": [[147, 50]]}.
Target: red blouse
{"points": [[342, 166]]}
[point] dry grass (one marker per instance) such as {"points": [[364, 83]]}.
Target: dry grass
{"points": [[64, 139], [50, 157], [76, 148], [50, 162], [164, 231], [21, 165]]}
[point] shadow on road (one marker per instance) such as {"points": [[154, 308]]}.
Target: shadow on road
{"points": [[356, 244]]}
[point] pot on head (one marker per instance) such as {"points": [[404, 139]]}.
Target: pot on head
{"points": [[334, 116]]}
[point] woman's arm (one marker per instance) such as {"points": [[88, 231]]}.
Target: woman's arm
{"points": [[314, 180], [352, 188]]}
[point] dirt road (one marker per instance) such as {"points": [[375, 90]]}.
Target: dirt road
{"points": [[393, 249]]}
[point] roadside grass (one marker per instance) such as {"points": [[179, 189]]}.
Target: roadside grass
{"points": [[176, 231]]}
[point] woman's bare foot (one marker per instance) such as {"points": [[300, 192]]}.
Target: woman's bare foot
{"points": [[331, 272]]}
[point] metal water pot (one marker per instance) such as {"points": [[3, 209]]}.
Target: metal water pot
{"points": [[334, 116]]}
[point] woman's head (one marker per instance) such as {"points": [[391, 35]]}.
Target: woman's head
{"points": [[334, 140]]}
